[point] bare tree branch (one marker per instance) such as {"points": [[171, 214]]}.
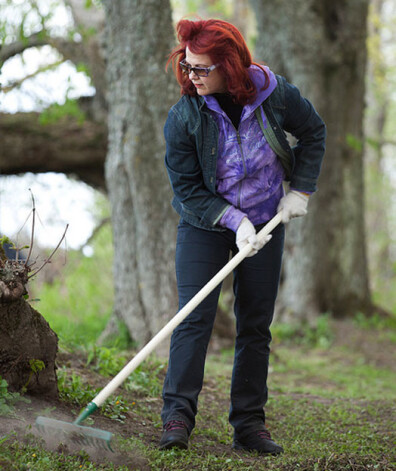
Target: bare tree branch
{"points": [[65, 146], [52, 254], [33, 227], [17, 47], [18, 83]]}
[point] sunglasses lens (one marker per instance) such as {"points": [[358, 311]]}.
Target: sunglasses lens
{"points": [[185, 68]]}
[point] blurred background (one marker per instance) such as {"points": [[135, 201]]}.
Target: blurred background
{"points": [[53, 114]]}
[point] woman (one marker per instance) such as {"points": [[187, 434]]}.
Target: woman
{"points": [[227, 183]]}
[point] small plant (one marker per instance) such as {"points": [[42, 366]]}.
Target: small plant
{"points": [[116, 409], [8, 399], [35, 367], [146, 379], [72, 389], [106, 361], [319, 335]]}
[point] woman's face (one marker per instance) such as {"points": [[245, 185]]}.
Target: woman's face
{"points": [[213, 83]]}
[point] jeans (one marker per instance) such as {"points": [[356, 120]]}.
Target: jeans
{"points": [[200, 254]]}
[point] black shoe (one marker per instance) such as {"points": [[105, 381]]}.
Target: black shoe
{"points": [[259, 440], [175, 435]]}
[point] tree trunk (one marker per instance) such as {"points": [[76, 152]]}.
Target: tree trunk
{"points": [[320, 47], [378, 99], [139, 37]]}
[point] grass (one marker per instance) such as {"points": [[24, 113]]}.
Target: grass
{"points": [[328, 407], [78, 303], [331, 403]]}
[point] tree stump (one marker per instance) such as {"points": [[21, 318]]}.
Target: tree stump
{"points": [[28, 348]]}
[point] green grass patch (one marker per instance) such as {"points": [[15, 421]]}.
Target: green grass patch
{"points": [[79, 302], [341, 373], [30, 456]]}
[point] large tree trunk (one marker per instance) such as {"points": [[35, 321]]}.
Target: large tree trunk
{"points": [[139, 37], [320, 46]]}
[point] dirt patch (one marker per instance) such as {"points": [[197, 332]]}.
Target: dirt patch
{"points": [[22, 428], [372, 345]]}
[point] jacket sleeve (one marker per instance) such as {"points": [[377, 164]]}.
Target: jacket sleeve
{"points": [[186, 177], [304, 123]]}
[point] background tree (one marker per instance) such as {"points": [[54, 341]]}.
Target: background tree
{"points": [[379, 145], [321, 47], [72, 138], [139, 36]]}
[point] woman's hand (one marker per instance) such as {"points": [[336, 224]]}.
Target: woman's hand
{"points": [[294, 204], [246, 234]]}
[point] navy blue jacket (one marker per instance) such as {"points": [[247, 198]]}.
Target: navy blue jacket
{"points": [[191, 136]]}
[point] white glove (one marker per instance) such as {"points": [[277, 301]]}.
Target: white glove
{"points": [[293, 204], [246, 234]]}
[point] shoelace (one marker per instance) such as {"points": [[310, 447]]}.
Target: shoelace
{"points": [[174, 425], [264, 434]]}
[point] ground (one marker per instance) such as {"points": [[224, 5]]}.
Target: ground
{"points": [[308, 407]]}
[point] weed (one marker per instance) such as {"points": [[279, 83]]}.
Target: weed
{"points": [[72, 389], [106, 361], [35, 367], [375, 322], [320, 335], [8, 399]]}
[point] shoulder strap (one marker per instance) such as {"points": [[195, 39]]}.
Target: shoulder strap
{"points": [[273, 142]]}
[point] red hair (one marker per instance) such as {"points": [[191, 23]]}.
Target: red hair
{"points": [[224, 44]]}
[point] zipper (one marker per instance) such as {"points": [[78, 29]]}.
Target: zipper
{"points": [[244, 169], [224, 114]]}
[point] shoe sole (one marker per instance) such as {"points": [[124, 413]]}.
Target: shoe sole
{"points": [[175, 444], [261, 452]]}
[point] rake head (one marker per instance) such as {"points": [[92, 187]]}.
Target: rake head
{"points": [[78, 434]]}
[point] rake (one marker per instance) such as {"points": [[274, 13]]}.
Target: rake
{"points": [[98, 438]]}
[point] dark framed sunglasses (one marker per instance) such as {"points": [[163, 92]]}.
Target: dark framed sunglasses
{"points": [[200, 71]]}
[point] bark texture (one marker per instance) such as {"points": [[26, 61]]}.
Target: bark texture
{"points": [[77, 149], [320, 47], [139, 37], [26, 340]]}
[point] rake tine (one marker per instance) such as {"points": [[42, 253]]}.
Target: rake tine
{"points": [[77, 434]]}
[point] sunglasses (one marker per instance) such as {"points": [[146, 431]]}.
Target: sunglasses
{"points": [[200, 71]]}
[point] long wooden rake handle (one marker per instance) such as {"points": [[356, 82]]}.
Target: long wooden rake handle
{"points": [[177, 319]]}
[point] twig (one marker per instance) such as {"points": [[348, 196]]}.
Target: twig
{"points": [[49, 258], [18, 83], [33, 223]]}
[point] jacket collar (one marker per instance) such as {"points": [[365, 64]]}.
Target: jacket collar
{"points": [[258, 78]]}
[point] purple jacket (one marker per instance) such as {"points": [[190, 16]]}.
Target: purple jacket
{"points": [[249, 175]]}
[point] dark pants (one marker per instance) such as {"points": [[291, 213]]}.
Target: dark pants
{"points": [[200, 254]]}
